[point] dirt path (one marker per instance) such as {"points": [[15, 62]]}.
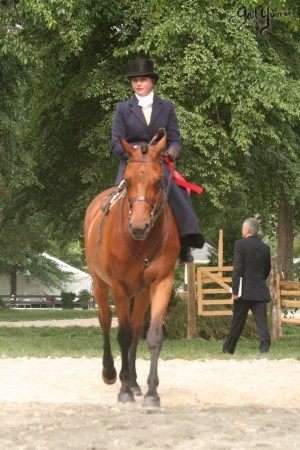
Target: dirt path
{"points": [[57, 323], [63, 404]]}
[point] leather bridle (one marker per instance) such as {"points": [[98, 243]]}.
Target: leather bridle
{"points": [[156, 205], [157, 208]]}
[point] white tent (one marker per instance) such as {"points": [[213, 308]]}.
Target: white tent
{"points": [[28, 286], [79, 280], [201, 255]]}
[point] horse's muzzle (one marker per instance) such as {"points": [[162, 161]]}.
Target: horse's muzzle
{"points": [[140, 232]]}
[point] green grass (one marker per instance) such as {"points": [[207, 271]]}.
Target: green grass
{"points": [[18, 315], [78, 342]]}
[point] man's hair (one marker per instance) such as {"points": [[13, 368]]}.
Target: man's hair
{"points": [[252, 224]]}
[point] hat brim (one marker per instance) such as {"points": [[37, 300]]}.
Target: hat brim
{"points": [[143, 74]]}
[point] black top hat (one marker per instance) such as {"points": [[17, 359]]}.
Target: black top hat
{"points": [[142, 67]]}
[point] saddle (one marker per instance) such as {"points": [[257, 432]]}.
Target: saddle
{"points": [[111, 199]]}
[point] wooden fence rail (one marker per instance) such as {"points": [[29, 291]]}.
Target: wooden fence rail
{"points": [[213, 291], [287, 296], [218, 288], [214, 295]]}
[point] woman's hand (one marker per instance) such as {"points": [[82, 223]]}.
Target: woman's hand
{"points": [[173, 153]]}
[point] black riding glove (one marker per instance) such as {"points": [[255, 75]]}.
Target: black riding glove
{"points": [[173, 153]]}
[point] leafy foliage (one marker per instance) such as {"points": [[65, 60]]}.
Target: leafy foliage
{"points": [[84, 297], [67, 299], [210, 328], [236, 93]]}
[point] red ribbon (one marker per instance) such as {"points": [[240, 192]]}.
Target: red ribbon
{"points": [[178, 178]]}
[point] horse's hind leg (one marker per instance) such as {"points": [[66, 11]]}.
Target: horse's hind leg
{"points": [[101, 294]]}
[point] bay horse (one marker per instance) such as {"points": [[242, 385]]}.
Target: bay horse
{"points": [[132, 247]]}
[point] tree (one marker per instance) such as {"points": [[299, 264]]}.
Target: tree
{"points": [[236, 92], [69, 103], [237, 96]]}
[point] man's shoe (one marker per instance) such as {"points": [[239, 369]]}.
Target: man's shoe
{"points": [[186, 255]]}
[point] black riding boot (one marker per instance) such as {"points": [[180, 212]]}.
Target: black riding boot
{"points": [[186, 255]]}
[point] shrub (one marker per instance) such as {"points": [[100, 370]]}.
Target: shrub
{"points": [[3, 305], [175, 326], [67, 299], [210, 328], [84, 298]]}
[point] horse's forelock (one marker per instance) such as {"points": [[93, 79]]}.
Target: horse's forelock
{"points": [[144, 151], [144, 148]]}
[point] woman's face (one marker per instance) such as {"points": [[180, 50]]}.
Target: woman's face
{"points": [[142, 85]]}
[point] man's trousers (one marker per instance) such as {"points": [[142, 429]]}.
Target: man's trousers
{"points": [[240, 312]]}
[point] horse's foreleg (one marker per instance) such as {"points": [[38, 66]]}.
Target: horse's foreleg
{"points": [[101, 294], [140, 305], [160, 297], [109, 373], [124, 340], [135, 388], [155, 340]]}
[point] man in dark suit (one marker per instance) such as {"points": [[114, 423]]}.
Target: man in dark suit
{"points": [[137, 120], [251, 268]]}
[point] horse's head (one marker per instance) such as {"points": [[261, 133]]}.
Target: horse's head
{"points": [[144, 181]]}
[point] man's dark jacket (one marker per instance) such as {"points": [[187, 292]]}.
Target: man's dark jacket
{"points": [[252, 262]]}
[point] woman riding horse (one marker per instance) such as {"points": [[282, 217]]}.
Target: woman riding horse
{"points": [[137, 120]]}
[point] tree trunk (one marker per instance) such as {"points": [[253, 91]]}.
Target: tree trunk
{"points": [[13, 282], [285, 239], [273, 305], [192, 324]]}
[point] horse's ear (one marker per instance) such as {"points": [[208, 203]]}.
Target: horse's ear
{"points": [[161, 144], [127, 147]]}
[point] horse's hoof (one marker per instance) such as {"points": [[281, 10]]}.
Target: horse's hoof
{"points": [[125, 397], [151, 401], [109, 376], [136, 390]]}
